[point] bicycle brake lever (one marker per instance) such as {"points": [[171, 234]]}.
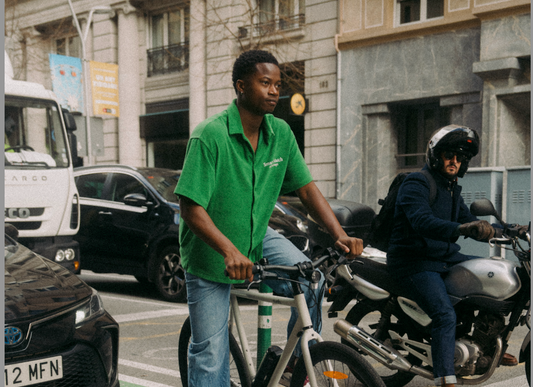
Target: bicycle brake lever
{"points": [[252, 283]]}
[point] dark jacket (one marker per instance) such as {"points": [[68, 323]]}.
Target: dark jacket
{"points": [[423, 236]]}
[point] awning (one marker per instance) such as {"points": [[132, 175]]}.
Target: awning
{"points": [[172, 124]]}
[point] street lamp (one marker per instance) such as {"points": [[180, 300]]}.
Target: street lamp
{"points": [[100, 9]]}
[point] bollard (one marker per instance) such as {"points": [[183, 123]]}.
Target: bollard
{"points": [[264, 325]]}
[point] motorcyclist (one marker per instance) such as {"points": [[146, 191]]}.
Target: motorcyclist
{"points": [[423, 241]]}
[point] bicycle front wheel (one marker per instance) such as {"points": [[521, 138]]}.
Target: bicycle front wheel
{"points": [[238, 371], [336, 364]]}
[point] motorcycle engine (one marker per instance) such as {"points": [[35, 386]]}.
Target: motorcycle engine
{"points": [[466, 356], [474, 356]]}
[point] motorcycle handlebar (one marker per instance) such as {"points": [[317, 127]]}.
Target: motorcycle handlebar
{"points": [[500, 241]]}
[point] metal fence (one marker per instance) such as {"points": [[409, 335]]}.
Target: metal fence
{"points": [[168, 59], [274, 25]]}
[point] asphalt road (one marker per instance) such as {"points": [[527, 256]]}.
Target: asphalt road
{"points": [[150, 328]]}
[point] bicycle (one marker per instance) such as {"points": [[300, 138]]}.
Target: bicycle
{"points": [[325, 363]]}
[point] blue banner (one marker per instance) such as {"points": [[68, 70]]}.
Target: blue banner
{"points": [[67, 81]]}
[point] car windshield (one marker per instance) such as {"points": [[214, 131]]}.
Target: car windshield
{"points": [[164, 181], [34, 134]]}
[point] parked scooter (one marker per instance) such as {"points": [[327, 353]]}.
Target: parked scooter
{"points": [[491, 297]]}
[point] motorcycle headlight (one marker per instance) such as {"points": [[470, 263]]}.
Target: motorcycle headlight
{"points": [[89, 310]]}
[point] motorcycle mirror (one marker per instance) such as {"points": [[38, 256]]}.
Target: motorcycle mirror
{"points": [[484, 207]]}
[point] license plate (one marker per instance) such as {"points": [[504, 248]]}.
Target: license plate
{"points": [[33, 372]]}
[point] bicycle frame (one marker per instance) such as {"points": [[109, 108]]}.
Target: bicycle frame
{"points": [[303, 324]]}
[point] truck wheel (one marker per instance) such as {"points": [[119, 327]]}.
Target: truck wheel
{"points": [[170, 276]]}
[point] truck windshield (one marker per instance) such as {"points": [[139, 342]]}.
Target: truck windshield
{"points": [[34, 135]]}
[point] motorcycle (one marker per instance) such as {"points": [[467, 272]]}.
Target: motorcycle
{"points": [[491, 297]]}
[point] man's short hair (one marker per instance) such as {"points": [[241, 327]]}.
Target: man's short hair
{"points": [[245, 64]]}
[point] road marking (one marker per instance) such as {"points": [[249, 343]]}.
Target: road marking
{"points": [[146, 367], [128, 381], [130, 299], [519, 381], [122, 318], [128, 317]]}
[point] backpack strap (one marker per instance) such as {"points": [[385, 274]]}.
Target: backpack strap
{"points": [[432, 186]]}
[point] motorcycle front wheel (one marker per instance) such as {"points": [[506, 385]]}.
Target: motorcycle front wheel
{"points": [[367, 315]]}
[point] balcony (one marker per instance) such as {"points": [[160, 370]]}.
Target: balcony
{"points": [[275, 26], [168, 59]]}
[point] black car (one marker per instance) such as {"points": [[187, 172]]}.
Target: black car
{"points": [[130, 221], [57, 332]]}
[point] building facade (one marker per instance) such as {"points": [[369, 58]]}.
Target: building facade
{"points": [[174, 63], [378, 77], [408, 67]]}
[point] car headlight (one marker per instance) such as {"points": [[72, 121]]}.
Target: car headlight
{"points": [[89, 310]]}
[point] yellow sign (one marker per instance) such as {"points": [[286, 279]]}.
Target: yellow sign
{"points": [[104, 81], [297, 103]]}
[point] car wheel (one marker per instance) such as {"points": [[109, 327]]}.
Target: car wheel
{"points": [[170, 276]]}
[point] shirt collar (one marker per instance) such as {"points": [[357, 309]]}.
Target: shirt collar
{"points": [[235, 124]]}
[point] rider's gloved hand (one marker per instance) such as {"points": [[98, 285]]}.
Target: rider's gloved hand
{"points": [[480, 230], [522, 231]]}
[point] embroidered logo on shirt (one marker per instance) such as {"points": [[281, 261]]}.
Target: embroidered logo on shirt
{"points": [[273, 163]]}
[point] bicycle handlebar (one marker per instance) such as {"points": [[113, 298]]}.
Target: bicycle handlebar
{"points": [[305, 269]]}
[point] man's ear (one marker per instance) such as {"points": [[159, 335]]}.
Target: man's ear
{"points": [[240, 86]]}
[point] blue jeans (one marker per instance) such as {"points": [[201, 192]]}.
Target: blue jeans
{"points": [[209, 312], [427, 289]]}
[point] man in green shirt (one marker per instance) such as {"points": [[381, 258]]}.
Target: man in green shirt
{"points": [[238, 162]]}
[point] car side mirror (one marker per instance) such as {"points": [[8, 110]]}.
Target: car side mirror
{"points": [[137, 200], [70, 123]]}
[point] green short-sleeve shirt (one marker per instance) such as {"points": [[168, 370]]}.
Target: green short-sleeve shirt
{"points": [[237, 187]]}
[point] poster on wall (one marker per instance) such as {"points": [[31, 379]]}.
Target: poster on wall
{"points": [[104, 82], [67, 81]]}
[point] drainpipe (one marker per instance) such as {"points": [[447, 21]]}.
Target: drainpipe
{"points": [[338, 123]]}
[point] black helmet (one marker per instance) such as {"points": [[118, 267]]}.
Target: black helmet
{"points": [[453, 138]]}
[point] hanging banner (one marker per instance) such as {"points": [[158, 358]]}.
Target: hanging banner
{"points": [[104, 81], [67, 81]]}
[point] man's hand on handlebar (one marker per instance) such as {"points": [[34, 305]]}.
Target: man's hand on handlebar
{"points": [[480, 230], [522, 232], [238, 267], [349, 245]]}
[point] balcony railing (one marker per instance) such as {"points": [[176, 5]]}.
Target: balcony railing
{"points": [[168, 59], [275, 25]]}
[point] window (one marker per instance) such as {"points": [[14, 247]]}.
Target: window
{"points": [[123, 185], [91, 186], [169, 42], [409, 11], [69, 46], [32, 135], [275, 15], [415, 124]]}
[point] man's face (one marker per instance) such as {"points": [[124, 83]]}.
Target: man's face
{"points": [[261, 90], [452, 162]]}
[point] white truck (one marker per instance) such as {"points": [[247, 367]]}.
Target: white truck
{"points": [[40, 196]]}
